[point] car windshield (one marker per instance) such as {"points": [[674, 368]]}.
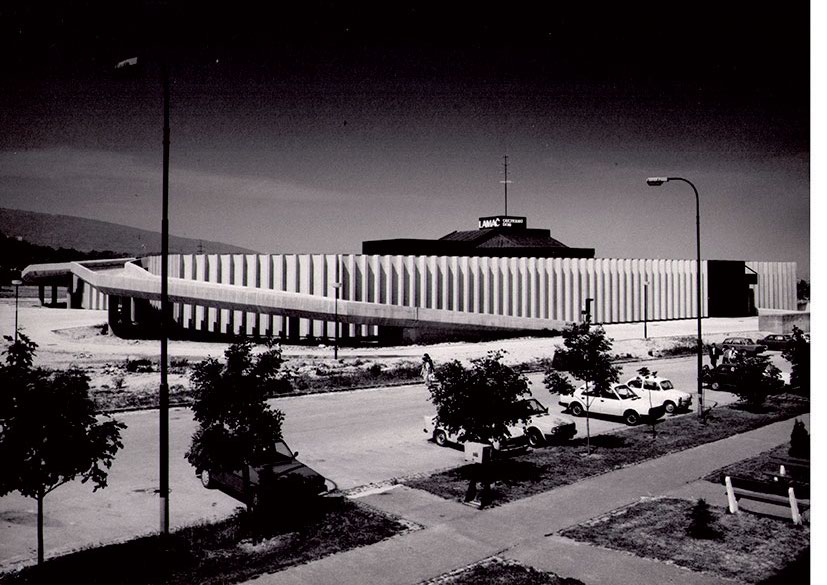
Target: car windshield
{"points": [[666, 384], [533, 406], [624, 391]]}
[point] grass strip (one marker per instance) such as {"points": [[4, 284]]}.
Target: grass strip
{"points": [[500, 572], [543, 469], [229, 551], [748, 547]]}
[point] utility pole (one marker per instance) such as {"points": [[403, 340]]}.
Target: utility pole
{"points": [[163, 400]]}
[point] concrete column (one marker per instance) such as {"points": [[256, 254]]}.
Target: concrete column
{"points": [[411, 283], [444, 284], [456, 286], [433, 273], [422, 281], [486, 294], [464, 271]]}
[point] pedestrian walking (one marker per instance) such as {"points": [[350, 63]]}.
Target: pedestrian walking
{"points": [[427, 371]]}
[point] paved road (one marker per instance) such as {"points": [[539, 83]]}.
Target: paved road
{"points": [[355, 438]]}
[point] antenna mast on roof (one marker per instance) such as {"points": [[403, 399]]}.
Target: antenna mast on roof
{"points": [[505, 182]]}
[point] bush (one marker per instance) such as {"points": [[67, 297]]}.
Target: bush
{"points": [[138, 366], [755, 379], [798, 354], [799, 441]]}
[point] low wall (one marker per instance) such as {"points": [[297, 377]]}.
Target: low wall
{"points": [[783, 321]]}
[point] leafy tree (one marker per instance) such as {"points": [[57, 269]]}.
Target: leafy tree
{"points": [[237, 428], [798, 354], [803, 290], [755, 378], [586, 355], [479, 402], [702, 523], [50, 433]]}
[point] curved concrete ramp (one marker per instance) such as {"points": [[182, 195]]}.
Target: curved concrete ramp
{"points": [[126, 279]]}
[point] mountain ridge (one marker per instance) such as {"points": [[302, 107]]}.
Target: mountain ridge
{"points": [[67, 231]]}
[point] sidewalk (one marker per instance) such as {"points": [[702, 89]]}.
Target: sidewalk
{"points": [[455, 535]]}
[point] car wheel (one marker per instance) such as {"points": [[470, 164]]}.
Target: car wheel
{"points": [[715, 385], [206, 479], [576, 409], [535, 438], [670, 407], [631, 418], [440, 438]]}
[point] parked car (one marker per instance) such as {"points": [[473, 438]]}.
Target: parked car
{"points": [[282, 476], [518, 441], [619, 400], [742, 345], [777, 341], [662, 392], [542, 427], [722, 376]]}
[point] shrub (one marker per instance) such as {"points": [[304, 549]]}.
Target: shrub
{"points": [[799, 441], [118, 381], [755, 379], [138, 366], [798, 354]]}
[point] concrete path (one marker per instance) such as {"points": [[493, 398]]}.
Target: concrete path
{"points": [[455, 535]]}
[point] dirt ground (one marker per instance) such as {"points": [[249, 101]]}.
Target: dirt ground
{"points": [[81, 338]]}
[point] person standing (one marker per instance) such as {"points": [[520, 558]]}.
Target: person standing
{"points": [[714, 352], [427, 371]]}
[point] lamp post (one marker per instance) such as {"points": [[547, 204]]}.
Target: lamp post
{"points": [[336, 286], [657, 182], [16, 284], [645, 307]]}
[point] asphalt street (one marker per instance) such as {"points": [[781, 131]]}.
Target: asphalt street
{"points": [[355, 438]]}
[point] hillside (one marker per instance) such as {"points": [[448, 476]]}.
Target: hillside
{"points": [[65, 231]]}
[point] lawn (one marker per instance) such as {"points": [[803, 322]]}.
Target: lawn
{"points": [[754, 468], [546, 468], [496, 571], [750, 548], [230, 551]]}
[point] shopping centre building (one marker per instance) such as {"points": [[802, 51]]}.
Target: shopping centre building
{"points": [[501, 279]]}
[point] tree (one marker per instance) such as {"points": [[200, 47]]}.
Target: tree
{"points": [[802, 290], [479, 402], [799, 441], [237, 428], [587, 356], [798, 354], [50, 433], [755, 378]]}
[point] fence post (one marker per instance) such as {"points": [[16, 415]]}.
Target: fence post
{"points": [[794, 508], [730, 496]]}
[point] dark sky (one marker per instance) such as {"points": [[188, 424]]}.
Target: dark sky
{"points": [[314, 127]]}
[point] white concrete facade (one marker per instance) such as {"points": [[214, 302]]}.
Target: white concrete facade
{"points": [[547, 288]]}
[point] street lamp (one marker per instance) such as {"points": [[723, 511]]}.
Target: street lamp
{"points": [[16, 284], [645, 307], [657, 182], [336, 286]]}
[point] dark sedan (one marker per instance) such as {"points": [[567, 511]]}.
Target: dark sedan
{"points": [[743, 345], [722, 376], [777, 341], [281, 477]]}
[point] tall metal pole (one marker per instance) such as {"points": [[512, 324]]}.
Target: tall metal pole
{"points": [[645, 308], [16, 284], [656, 182], [163, 402], [336, 286]]}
